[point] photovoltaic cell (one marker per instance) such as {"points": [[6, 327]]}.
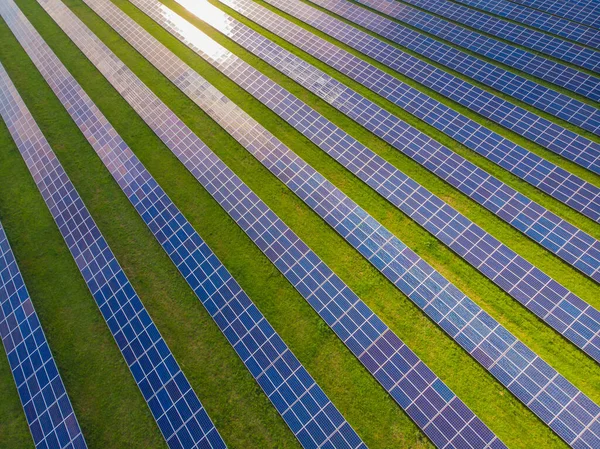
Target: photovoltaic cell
{"points": [[527, 37], [522, 371], [538, 19], [495, 260], [174, 405], [493, 76], [576, 247], [48, 411], [426, 399], [305, 407], [556, 138], [587, 13]]}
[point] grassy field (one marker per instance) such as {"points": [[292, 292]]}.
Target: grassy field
{"points": [[106, 400]]}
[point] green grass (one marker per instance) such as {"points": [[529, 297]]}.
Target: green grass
{"points": [[241, 412]]}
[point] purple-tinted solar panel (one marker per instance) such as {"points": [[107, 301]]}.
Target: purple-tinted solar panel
{"points": [[540, 20], [526, 90], [486, 142], [529, 62], [585, 12]]}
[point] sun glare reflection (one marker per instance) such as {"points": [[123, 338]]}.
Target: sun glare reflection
{"points": [[192, 34]]}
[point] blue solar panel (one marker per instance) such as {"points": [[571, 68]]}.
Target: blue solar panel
{"points": [[534, 289], [48, 411], [174, 405], [540, 20], [527, 37], [303, 404], [489, 74], [524, 373], [556, 138], [587, 13], [576, 247]]}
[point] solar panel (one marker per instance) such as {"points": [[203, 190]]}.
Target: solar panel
{"points": [[521, 59], [489, 74], [540, 20], [563, 239], [524, 373], [527, 37], [583, 12], [302, 403], [48, 411], [511, 272], [174, 405], [556, 138], [440, 413]]}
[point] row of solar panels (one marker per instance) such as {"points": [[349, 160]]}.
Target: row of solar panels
{"points": [[315, 421]]}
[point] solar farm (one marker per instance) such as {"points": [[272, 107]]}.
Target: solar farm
{"points": [[337, 224]]}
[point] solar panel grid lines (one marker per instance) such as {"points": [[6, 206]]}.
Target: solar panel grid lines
{"points": [[526, 37], [496, 261], [540, 20], [49, 413], [563, 239], [302, 403], [489, 74], [539, 172], [429, 402], [566, 3], [394, 259], [554, 137], [586, 13], [173, 403]]}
